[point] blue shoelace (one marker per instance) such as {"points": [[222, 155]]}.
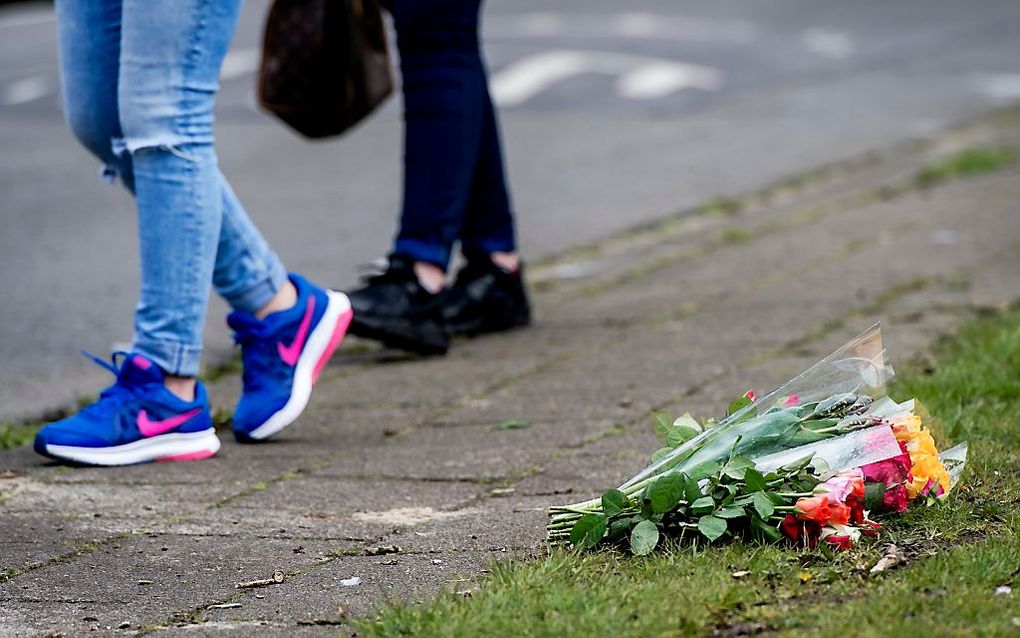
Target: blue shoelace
{"points": [[112, 399]]}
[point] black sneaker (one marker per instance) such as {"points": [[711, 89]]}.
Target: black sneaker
{"points": [[395, 309], [486, 298]]}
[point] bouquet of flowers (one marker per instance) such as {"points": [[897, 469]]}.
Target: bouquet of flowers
{"points": [[812, 461]]}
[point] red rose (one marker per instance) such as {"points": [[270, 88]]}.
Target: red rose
{"points": [[856, 506], [870, 528], [888, 472], [839, 541], [895, 499], [802, 533]]}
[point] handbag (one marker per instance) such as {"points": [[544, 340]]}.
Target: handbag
{"points": [[325, 64]]}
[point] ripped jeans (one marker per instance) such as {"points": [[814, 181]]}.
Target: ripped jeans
{"points": [[139, 79]]}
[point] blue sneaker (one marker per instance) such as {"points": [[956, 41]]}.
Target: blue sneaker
{"points": [[135, 420], [283, 355]]}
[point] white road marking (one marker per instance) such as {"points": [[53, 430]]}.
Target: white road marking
{"points": [[236, 64], [631, 24], [26, 90], [640, 77], [831, 44], [1001, 87], [659, 79]]}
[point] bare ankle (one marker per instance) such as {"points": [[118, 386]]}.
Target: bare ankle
{"points": [[284, 299], [508, 262], [430, 276], [181, 387]]}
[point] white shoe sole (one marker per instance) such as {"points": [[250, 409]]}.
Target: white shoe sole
{"points": [[174, 446], [320, 345]]}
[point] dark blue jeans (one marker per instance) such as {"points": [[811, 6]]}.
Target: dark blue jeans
{"points": [[454, 186]]}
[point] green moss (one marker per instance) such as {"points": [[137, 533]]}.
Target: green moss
{"points": [[966, 163]]}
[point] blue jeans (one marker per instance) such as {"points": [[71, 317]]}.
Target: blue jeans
{"points": [[454, 184], [139, 80]]}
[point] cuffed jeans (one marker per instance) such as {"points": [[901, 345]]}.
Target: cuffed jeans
{"points": [[139, 79], [454, 184]]}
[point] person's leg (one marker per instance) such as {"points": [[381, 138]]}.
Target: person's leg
{"points": [[488, 294], [488, 229], [170, 59], [444, 91], [145, 415], [88, 35], [247, 273]]}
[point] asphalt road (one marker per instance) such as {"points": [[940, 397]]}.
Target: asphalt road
{"points": [[613, 115]]}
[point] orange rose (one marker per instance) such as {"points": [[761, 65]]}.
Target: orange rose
{"points": [[814, 508], [839, 514]]}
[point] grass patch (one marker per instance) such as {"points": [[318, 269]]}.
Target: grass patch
{"points": [[968, 162], [16, 434], [959, 551], [736, 235]]}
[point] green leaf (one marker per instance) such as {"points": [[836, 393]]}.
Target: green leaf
{"points": [[764, 531], [763, 504], [665, 493], [735, 472], [797, 465], [683, 429], [736, 467], [614, 502], [661, 452], [703, 505], [691, 490], [803, 436], [731, 512], [754, 480], [588, 531], [661, 422], [737, 405], [874, 493], [643, 538], [704, 470], [620, 527], [678, 435], [819, 424], [513, 424], [711, 527]]}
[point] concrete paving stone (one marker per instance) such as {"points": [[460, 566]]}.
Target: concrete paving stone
{"points": [[235, 467], [53, 618], [30, 495], [149, 578], [21, 459], [443, 454], [365, 499], [512, 523], [31, 539], [580, 474], [318, 593], [241, 521], [412, 383]]}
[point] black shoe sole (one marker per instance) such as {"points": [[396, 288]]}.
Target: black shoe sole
{"points": [[426, 338]]}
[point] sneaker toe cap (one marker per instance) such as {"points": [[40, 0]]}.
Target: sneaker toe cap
{"points": [[60, 434], [252, 412]]}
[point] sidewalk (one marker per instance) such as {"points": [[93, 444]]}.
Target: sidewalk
{"points": [[414, 475]]}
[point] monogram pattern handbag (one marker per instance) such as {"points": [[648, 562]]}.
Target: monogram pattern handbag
{"points": [[325, 64]]}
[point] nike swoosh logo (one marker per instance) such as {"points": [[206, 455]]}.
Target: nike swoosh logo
{"points": [[148, 427], [290, 353]]}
